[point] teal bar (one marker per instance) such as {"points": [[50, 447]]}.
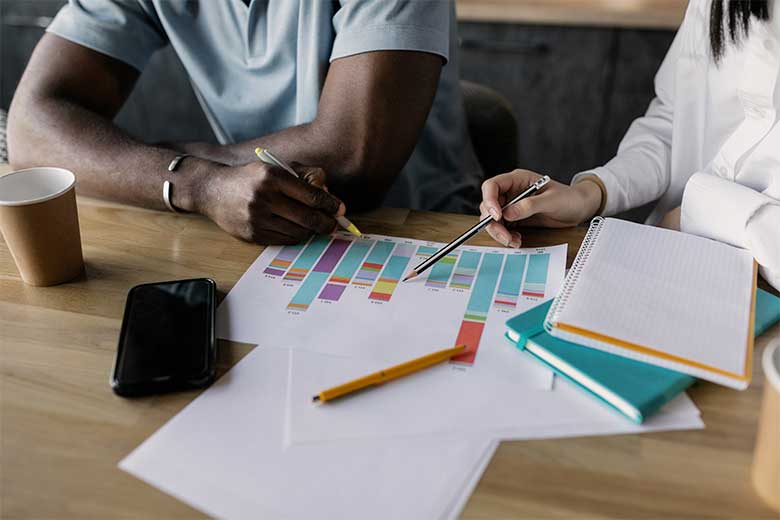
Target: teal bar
{"points": [[464, 272], [482, 292], [380, 252], [537, 269], [512, 276], [468, 260], [426, 250], [308, 290], [307, 259], [349, 265], [374, 263], [394, 269], [440, 273]]}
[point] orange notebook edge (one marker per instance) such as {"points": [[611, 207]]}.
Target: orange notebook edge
{"points": [[746, 377]]}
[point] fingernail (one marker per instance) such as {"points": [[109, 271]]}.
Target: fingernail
{"points": [[504, 239], [342, 210], [494, 213], [517, 241]]}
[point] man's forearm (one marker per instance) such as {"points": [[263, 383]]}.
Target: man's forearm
{"points": [[367, 125], [107, 162]]}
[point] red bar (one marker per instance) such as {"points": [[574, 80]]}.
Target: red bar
{"points": [[385, 297], [534, 294], [470, 334]]}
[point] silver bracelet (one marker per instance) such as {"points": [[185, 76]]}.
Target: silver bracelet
{"points": [[175, 162], [167, 188], [168, 185]]}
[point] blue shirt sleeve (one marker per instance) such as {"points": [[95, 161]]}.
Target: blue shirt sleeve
{"points": [[127, 30], [409, 25]]}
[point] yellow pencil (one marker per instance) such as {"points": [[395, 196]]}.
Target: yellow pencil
{"points": [[267, 157], [388, 374]]}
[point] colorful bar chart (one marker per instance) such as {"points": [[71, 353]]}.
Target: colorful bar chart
{"points": [[465, 270], [511, 280], [536, 277], [310, 254], [392, 273], [283, 260], [440, 273], [346, 270], [477, 308], [373, 265], [316, 279]]}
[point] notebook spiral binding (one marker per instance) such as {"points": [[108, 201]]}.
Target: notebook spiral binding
{"points": [[588, 243]]}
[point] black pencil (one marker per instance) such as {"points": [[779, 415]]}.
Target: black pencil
{"points": [[441, 253]]}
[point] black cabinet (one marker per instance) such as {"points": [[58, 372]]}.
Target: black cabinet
{"points": [[574, 90]]}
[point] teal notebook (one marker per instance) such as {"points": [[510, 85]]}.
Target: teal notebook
{"points": [[767, 311], [637, 390]]}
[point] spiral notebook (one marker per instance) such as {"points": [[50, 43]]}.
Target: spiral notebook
{"points": [[674, 300]]}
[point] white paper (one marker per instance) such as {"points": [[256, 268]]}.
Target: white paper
{"points": [[418, 319], [434, 401], [223, 455]]}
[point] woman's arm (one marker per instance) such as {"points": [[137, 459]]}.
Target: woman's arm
{"points": [[640, 172]]}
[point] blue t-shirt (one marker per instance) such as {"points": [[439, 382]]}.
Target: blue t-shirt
{"points": [[260, 68]]}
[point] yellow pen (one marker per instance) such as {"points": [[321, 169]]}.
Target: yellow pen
{"points": [[267, 157], [388, 374]]}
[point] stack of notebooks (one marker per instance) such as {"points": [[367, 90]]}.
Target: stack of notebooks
{"points": [[644, 311]]}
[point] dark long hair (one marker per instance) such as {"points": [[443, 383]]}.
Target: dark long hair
{"points": [[733, 16]]}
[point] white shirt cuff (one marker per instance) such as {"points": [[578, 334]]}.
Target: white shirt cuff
{"points": [[722, 210]]}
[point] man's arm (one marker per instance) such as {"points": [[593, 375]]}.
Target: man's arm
{"points": [[61, 114], [372, 110]]}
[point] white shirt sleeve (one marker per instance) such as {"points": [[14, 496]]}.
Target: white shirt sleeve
{"points": [[723, 210], [640, 172]]}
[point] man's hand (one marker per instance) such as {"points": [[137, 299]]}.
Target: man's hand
{"points": [[557, 205], [267, 205]]}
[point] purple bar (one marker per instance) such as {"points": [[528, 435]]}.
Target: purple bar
{"points": [[331, 256], [275, 272], [332, 292]]}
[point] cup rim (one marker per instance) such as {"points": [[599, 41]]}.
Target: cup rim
{"points": [[43, 198], [771, 369]]}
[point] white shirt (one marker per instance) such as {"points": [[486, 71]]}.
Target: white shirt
{"points": [[710, 141]]}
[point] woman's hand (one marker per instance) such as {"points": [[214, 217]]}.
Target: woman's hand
{"points": [[671, 220], [557, 205]]}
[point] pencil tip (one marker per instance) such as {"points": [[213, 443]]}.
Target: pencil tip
{"points": [[354, 230], [411, 275], [315, 399]]}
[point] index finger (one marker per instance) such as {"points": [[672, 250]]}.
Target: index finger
{"points": [[312, 196], [507, 185], [311, 174]]}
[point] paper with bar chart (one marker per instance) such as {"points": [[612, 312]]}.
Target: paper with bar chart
{"points": [[343, 296]]}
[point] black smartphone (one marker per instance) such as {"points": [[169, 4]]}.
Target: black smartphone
{"points": [[167, 341]]}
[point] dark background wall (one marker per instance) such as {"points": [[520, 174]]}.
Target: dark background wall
{"points": [[574, 90]]}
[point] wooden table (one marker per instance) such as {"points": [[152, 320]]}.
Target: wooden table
{"points": [[637, 14], [62, 430]]}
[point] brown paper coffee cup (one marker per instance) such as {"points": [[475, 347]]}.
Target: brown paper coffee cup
{"points": [[40, 224], [766, 459]]}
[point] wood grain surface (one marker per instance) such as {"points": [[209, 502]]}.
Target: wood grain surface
{"points": [[62, 430], [640, 14]]}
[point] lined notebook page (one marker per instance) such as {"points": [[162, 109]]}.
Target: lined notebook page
{"points": [[675, 293]]}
